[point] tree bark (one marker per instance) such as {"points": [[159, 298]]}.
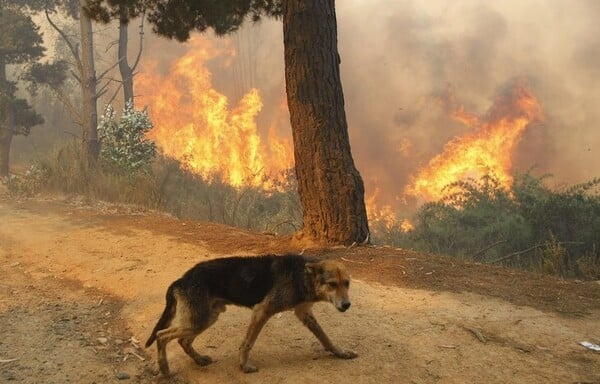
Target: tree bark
{"points": [[7, 120], [330, 187], [91, 147], [124, 68]]}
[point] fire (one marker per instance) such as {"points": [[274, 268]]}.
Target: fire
{"points": [[384, 215], [487, 149], [195, 124]]}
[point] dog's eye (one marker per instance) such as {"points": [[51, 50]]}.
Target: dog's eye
{"points": [[332, 284], [346, 284]]}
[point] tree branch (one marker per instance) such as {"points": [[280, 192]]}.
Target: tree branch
{"points": [[139, 54], [76, 77], [77, 118], [114, 96], [72, 48], [511, 255], [108, 70], [480, 253]]}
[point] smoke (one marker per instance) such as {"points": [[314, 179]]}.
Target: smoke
{"points": [[407, 64]]}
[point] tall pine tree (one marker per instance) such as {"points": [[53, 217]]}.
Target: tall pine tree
{"points": [[20, 44]]}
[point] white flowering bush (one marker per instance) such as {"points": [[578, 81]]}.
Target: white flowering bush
{"points": [[123, 142]]}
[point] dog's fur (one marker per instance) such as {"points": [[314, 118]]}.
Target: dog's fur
{"points": [[269, 284]]}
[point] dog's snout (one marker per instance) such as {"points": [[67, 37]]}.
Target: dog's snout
{"points": [[345, 305]]}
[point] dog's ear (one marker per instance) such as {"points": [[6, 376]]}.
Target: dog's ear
{"points": [[314, 269]]}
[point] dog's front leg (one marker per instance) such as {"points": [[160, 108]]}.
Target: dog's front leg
{"points": [[304, 313], [260, 316]]}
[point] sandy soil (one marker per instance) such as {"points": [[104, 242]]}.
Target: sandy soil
{"points": [[82, 285]]}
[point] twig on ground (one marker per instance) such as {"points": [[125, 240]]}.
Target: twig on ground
{"points": [[447, 346], [478, 334], [7, 360], [511, 255], [353, 261], [481, 252]]}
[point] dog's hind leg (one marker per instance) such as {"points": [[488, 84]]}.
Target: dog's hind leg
{"points": [[260, 316], [217, 307], [186, 344], [163, 337], [305, 315], [189, 320]]}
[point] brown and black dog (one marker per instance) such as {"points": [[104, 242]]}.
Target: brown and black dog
{"points": [[269, 284]]}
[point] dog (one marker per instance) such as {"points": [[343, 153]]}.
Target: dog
{"points": [[268, 284]]}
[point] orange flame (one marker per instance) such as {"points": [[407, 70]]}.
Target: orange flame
{"points": [[194, 123], [384, 216], [486, 150]]}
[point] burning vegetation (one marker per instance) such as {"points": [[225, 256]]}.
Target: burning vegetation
{"points": [[488, 149], [196, 125]]}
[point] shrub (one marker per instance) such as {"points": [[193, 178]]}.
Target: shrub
{"points": [[123, 142], [529, 225]]}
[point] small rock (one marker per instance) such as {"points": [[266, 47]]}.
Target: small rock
{"points": [[102, 340], [118, 341], [122, 376]]}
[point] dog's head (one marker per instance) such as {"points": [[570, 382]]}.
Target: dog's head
{"points": [[331, 282]]}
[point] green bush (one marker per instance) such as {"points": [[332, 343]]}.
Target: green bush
{"points": [[528, 226], [123, 142]]}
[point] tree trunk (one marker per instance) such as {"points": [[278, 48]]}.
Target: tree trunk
{"points": [[5, 138], [7, 120], [330, 187], [91, 147], [124, 68]]}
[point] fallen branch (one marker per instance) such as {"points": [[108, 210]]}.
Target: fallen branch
{"points": [[352, 261], [7, 360], [477, 333], [447, 346], [480, 253], [511, 255]]}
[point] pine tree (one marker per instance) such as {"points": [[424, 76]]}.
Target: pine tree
{"points": [[20, 44]]}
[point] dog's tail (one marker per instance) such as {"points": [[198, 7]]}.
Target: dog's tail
{"points": [[166, 317]]}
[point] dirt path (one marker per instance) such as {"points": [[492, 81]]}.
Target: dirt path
{"points": [[81, 287]]}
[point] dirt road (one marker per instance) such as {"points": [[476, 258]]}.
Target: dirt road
{"points": [[81, 288]]}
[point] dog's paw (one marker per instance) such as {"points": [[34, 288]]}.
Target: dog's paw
{"points": [[202, 360], [345, 354], [249, 368]]}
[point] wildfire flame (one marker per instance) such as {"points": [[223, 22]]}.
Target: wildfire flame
{"points": [[487, 149], [384, 215], [194, 123]]}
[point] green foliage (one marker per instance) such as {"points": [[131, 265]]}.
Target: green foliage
{"points": [[51, 74], [20, 39], [28, 185], [528, 225], [25, 117], [176, 19], [124, 145]]}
